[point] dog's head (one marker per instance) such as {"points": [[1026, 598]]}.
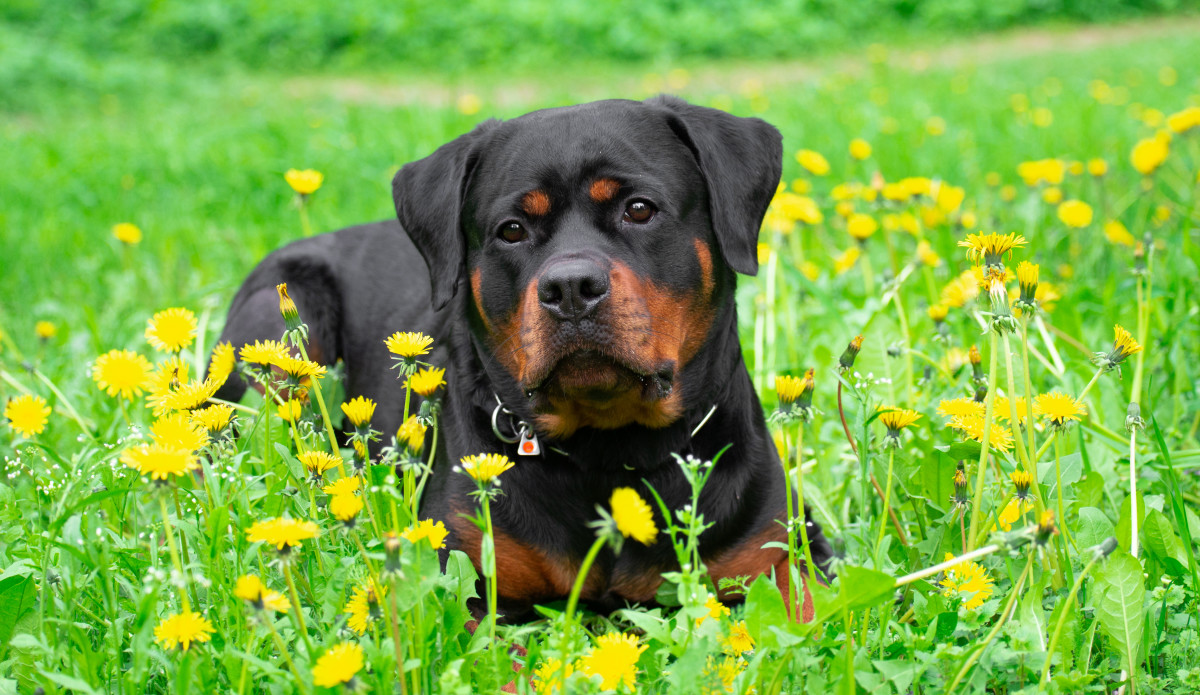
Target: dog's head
{"points": [[598, 242]]}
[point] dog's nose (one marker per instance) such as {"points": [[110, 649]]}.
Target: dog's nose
{"points": [[572, 289]]}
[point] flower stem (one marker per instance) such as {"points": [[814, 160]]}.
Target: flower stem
{"points": [[283, 650], [981, 474], [808, 561], [296, 608], [1062, 618], [1133, 498], [573, 600], [489, 568], [793, 593], [887, 503], [1058, 479], [183, 596]]}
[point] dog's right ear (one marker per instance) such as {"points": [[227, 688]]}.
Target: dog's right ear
{"points": [[429, 198]]}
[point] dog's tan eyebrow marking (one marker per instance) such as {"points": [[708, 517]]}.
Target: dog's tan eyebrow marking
{"points": [[535, 203], [604, 190]]}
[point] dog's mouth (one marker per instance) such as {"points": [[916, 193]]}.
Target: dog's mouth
{"points": [[590, 375]]}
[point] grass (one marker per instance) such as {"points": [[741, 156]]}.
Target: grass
{"points": [[196, 160]]}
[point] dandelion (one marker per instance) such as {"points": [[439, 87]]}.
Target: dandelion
{"points": [[614, 659], [999, 438], [990, 248], [1075, 213], [338, 666], [300, 369], [179, 431], [1022, 481], [813, 161], [45, 330], [549, 675], [121, 372], [976, 360], [938, 313], [1149, 153], [739, 641], [266, 353], [1027, 278], [1181, 122], [962, 496], [171, 330], [1046, 528], [214, 418], [846, 361], [222, 363], [359, 410], [305, 181], [895, 420], [251, 589], [960, 407], [345, 508], [1123, 346], [795, 395], [126, 233], [364, 607], [27, 414], [1052, 195], [427, 530], [969, 580], [716, 610], [1012, 512], [860, 149], [1004, 409], [1097, 167], [182, 629], [407, 348], [427, 381], [284, 533], [290, 411], [633, 516], [485, 468], [189, 396], [160, 462], [1058, 409], [348, 485], [317, 462], [294, 328], [412, 434], [846, 260], [861, 226]]}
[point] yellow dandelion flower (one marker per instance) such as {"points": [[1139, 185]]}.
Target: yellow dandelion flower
{"points": [[895, 420], [1003, 411], [167, 377], [1123, 345], [251, 589], [266, 353], [222, 363], [1012, 512], [1117, 233], [300, 369], [485, 468], [1000, 437], [960, 407], [633, 515], [1097, 167], [860, 149], [304, 181], [427, 530], [408, 345], [1022, 481], [171, 330], [846, 260], [960, 291], [1052, 195], [716, 610], [1075, 213], [127, 233], [1008, 193], [27, 414], [214, 418], [359, 410], [739, 641], [969, 580], [990, 248], [45, 330], [189, 396], [412, 434], [160, 462], [427, 381], [927, 255], [938, 312], [282, 532], [178, 431], [1058, 409], [861, 226], [290, 410], [338, 665], [789, 388], [182, 629], [1182, 121], [1149, 154], [364, 608], [548, 676], [317, 462], [345, 508], [815, 162], [614, 659], [122, 372], [348, 485]]}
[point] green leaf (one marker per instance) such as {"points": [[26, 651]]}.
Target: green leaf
{"points": [[764, 608], [1089, 491], [858, 588], [1124, 527], [934, 479], [1093, 527], [1071, 468], [70, 683], [1162, 542], [18, 595], [1119, 601]]}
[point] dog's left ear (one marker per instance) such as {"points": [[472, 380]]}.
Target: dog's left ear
{"points": [[741, 160]]}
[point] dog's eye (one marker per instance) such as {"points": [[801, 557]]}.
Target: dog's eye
{"points": [[512, 232], [639, 212]]}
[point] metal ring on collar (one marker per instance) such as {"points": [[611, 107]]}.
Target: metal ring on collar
{"points": [[496, 426]]}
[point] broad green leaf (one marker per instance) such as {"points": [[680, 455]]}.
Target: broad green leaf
{"points": [[1119, 601], [70, 683], [1092, 528], [1162, 542], [1089, 490], [1124, 527], [18, 596], [858, 588], [1070, 467], [764, 608], [934, 479]]}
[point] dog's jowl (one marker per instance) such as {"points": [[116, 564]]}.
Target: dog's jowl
{"points": [[576, 267]]}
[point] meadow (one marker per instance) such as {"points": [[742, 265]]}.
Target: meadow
{"points": [[1010, 481]]}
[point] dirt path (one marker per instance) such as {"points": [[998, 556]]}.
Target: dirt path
{"points": [[733, 77]]}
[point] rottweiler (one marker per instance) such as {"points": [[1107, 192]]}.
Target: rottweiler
{"points": [[576, 267]]}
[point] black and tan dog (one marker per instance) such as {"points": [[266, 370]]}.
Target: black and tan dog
{"points": [[579, 268]]}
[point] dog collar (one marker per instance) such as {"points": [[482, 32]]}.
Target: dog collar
{"points": [[527, 441]]}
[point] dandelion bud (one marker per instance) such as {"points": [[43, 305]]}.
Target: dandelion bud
{"points": [[1022, 480], [977, 375], [1106, 547], [1027, 278], [980, 394], [895, 420], [1133, 418], [846, 361], [1139, 259], [1123, 346], [1046, 528], [962, 497], [294, 329], [391, 550], [795, 396]]}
